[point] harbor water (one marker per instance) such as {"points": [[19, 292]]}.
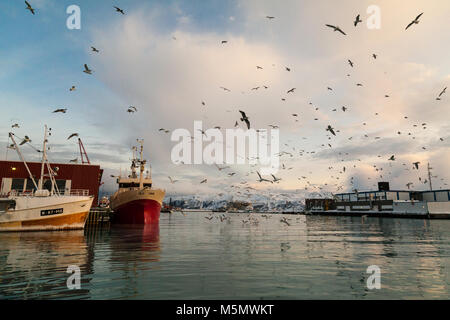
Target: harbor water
{"points": [[238, 256]]}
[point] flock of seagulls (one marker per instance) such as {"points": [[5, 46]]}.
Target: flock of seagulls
{"points": [[358, 20], [86, 70], [248, 219], [330, 129], [244, 188]]}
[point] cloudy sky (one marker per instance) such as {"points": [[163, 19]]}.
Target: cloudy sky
{"points": [[167, 57]]}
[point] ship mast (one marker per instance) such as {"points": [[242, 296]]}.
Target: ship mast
{"points": [[44, 158], [141, 165], [133, 164], [429, 176]]}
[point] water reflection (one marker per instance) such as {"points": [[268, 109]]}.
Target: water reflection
{"points": [[135, 244], [190, 257], [410, 253], [34, 264]]}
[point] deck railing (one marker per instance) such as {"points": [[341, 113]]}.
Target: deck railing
{"points": [[77, 192], [27, 193], [16, 193]]}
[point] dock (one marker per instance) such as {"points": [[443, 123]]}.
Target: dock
{"points": [[99, 216], [429, 204]]}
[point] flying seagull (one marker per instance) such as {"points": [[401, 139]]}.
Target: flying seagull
{"points": [[261, 179], [29, 7], [415, 21], [329, 128], [15, 125], [86, 69], [219, 168], [94, 49], [416, 164], [284, 220], [336, 29], [443, 91], [203, 132], [172, 181], [119, 10], [275, 179], [73, 88], [72, 135], [131, 109], [270, 18], [350, 63], [204, 181], [25, 140], [60, 110], [392, 158], [292, 90], [245, 118], [374, 56], [357, 20]]}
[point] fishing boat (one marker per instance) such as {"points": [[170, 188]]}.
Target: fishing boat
{"points": [[136, 201], [43, 209]]}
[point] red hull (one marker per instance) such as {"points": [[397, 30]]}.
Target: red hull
{"points": [[138, 212]]}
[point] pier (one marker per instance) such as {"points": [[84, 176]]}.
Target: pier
{"points": [[99, 216]]}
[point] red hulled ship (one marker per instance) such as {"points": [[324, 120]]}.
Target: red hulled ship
{"points": [[136, 202]]}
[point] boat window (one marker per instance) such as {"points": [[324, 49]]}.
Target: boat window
{"points": [[7, 205], [61, 184], [30, 185], [128, 185], [47, 185], [149, 185], [18, 184]]}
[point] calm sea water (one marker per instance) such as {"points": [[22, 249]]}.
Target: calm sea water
{"points": [[191, 257]]}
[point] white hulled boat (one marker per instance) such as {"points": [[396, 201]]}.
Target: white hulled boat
{"points": [[43, 209]]}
